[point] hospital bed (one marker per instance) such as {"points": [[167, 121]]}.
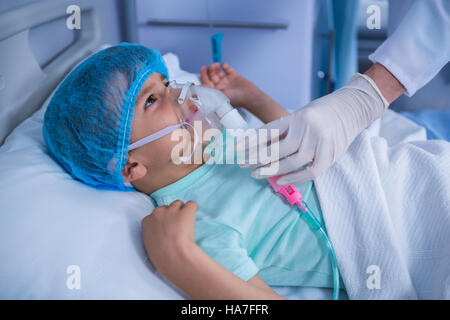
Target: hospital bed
{"points": [[60, 239]]}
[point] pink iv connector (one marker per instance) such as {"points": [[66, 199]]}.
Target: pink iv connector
{"points": [[290, 193]]}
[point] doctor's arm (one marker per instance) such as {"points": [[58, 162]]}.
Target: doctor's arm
{"points": [[168, 234], [322, 131], [419, 47], [389, 85]]}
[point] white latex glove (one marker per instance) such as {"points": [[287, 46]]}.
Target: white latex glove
{"points": [[321, 131]]}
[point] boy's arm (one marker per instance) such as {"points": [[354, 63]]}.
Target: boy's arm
{"points": [[169, 239], [201, 277], [264, 107], [242, 92]]}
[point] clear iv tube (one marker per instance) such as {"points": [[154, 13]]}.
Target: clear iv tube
{"points": [[316, 225]]}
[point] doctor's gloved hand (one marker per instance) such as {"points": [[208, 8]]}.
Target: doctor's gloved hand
{"points": [[319, 133]]}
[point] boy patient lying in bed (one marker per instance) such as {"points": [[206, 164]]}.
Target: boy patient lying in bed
{"points": [[216, 233]]}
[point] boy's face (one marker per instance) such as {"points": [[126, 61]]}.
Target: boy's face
{"points": [[154, 110]]}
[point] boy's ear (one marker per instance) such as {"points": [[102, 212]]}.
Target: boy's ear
{"points": [[133, 170]]}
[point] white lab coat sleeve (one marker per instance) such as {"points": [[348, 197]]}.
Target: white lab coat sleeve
{"points": [[420, 47]]}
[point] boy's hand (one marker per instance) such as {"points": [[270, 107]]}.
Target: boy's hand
{"points": [[238, 89], [241, 92], [169, 229], [168, 234]]}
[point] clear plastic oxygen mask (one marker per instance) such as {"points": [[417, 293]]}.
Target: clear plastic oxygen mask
{"points": [[198, 109], [208, 106], [172, 95]]}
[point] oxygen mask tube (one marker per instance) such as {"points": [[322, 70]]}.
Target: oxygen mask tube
{"points": [[294, 197], [215, 108]]}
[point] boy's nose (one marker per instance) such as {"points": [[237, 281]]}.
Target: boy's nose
{"points": [[187, 109]]}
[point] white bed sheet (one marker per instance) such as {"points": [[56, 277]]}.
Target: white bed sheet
{"points": [[50, 223]]}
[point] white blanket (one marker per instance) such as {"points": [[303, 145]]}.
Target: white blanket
{"points": [[386, 206]]}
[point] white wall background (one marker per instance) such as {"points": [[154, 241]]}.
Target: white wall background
{"points": [[277, 61]]}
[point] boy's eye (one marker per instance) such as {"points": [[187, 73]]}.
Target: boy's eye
{"points": [[150, 101]]}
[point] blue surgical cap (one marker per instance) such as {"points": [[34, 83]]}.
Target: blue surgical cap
{"points": [[87, 124]]}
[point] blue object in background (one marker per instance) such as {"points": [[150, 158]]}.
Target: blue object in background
{"points": [[436, 122], [247, 50], [216, 45], [345, 22]]}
